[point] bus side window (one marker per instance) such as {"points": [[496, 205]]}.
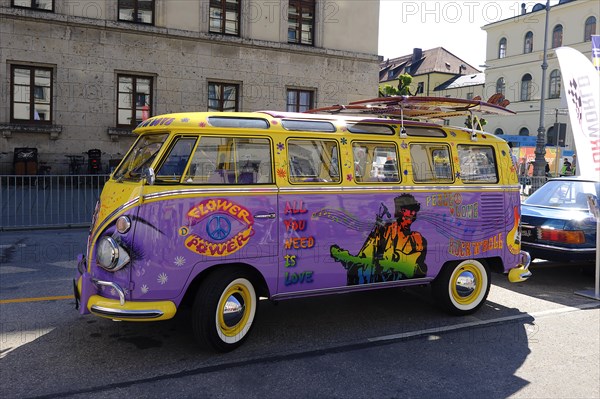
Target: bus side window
{"points": [[313, 161], [441, 164], [430, 163], [250, 153], [174, 165], [375, 162], [477, 163]]}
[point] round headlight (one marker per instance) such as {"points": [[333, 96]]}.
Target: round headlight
{"points": [[107, 253], [123, 224]]}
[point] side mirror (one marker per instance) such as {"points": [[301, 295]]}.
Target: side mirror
{"points": [[149, 175]]}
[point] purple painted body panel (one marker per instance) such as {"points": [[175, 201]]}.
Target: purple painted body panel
{"points": [[455, 226], [176, 240], [182, 237], [303, 242]]}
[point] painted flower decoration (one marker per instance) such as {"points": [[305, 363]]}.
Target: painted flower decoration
{"points": [[458, 175], [349, 177], [344, 141], [179, 261], [185, 120], [404, 145], [162, 278], [281, 172], [202, 124], [144, 289], [453, 134], [274, 122], [280, 146]]}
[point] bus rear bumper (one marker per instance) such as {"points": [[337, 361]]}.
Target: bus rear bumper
{"points": [[521, 272]]}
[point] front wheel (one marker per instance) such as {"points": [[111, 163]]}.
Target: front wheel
{"points": [[461, 288], [224, 309]]}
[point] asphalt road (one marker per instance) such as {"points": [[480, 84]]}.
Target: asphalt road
{"points": [[531, 340]]}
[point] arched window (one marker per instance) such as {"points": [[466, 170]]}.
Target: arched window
{"points": [[498, 131], [557, 34], [528, 44], [590, 29], [555, 81], [526, 87], [502, 48], [524, 132], [500, 86]]}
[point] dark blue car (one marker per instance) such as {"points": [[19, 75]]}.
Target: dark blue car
{"points": [[556, 221]]}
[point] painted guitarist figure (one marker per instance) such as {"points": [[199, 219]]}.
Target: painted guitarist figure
{"points": [[391, 251]]}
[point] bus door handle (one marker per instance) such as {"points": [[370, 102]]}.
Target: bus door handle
{"points": [[264, 215]]}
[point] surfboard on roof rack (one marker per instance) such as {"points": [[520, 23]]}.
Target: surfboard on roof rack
{"points": [[420, 108]]}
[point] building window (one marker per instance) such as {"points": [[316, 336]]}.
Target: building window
{"points": [[139, 11], [224, 17], [524, 132], [223, 96], [590, 29], [31, 94], [555, 83], [528, 44], [420, 88], [43, 5], [500, 86], [526, 87], [498, 131], [502, 48], [301, 17], [557, 34], [299, 100], [134, 103], [470, 96]]}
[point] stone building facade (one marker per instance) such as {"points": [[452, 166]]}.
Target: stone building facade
{"points": [[80, 75], [514, 58]]}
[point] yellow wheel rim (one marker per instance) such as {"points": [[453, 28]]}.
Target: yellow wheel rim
{"points": [[466, 284], [234, 309]]}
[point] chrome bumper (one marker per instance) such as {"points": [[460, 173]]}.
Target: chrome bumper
{"points": [[125, 314], [521, 272]]}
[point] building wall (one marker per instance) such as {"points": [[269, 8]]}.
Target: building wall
{"points": [[516, 64], [87, 47]]}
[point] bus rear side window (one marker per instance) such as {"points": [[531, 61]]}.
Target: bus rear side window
{"points": [[477, 164]]}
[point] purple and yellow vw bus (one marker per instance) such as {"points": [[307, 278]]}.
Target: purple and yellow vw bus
{"points": [[216, 210]]}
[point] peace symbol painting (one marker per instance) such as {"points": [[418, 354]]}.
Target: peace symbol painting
{"points": [[215, 222]]}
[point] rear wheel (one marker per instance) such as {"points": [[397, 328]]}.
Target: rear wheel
{"points": [[224, 309], [461, 288]]}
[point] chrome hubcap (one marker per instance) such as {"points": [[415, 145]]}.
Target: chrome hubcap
{"points": [[466, 284], [234, 309]]}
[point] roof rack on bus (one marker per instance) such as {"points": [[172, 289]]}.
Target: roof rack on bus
{"points": [[421, 108]]}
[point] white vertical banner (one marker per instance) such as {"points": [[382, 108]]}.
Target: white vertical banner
{"points": [[582, 86]]}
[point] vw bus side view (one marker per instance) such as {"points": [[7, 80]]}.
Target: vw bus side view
{"points": [[215, 210]]}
